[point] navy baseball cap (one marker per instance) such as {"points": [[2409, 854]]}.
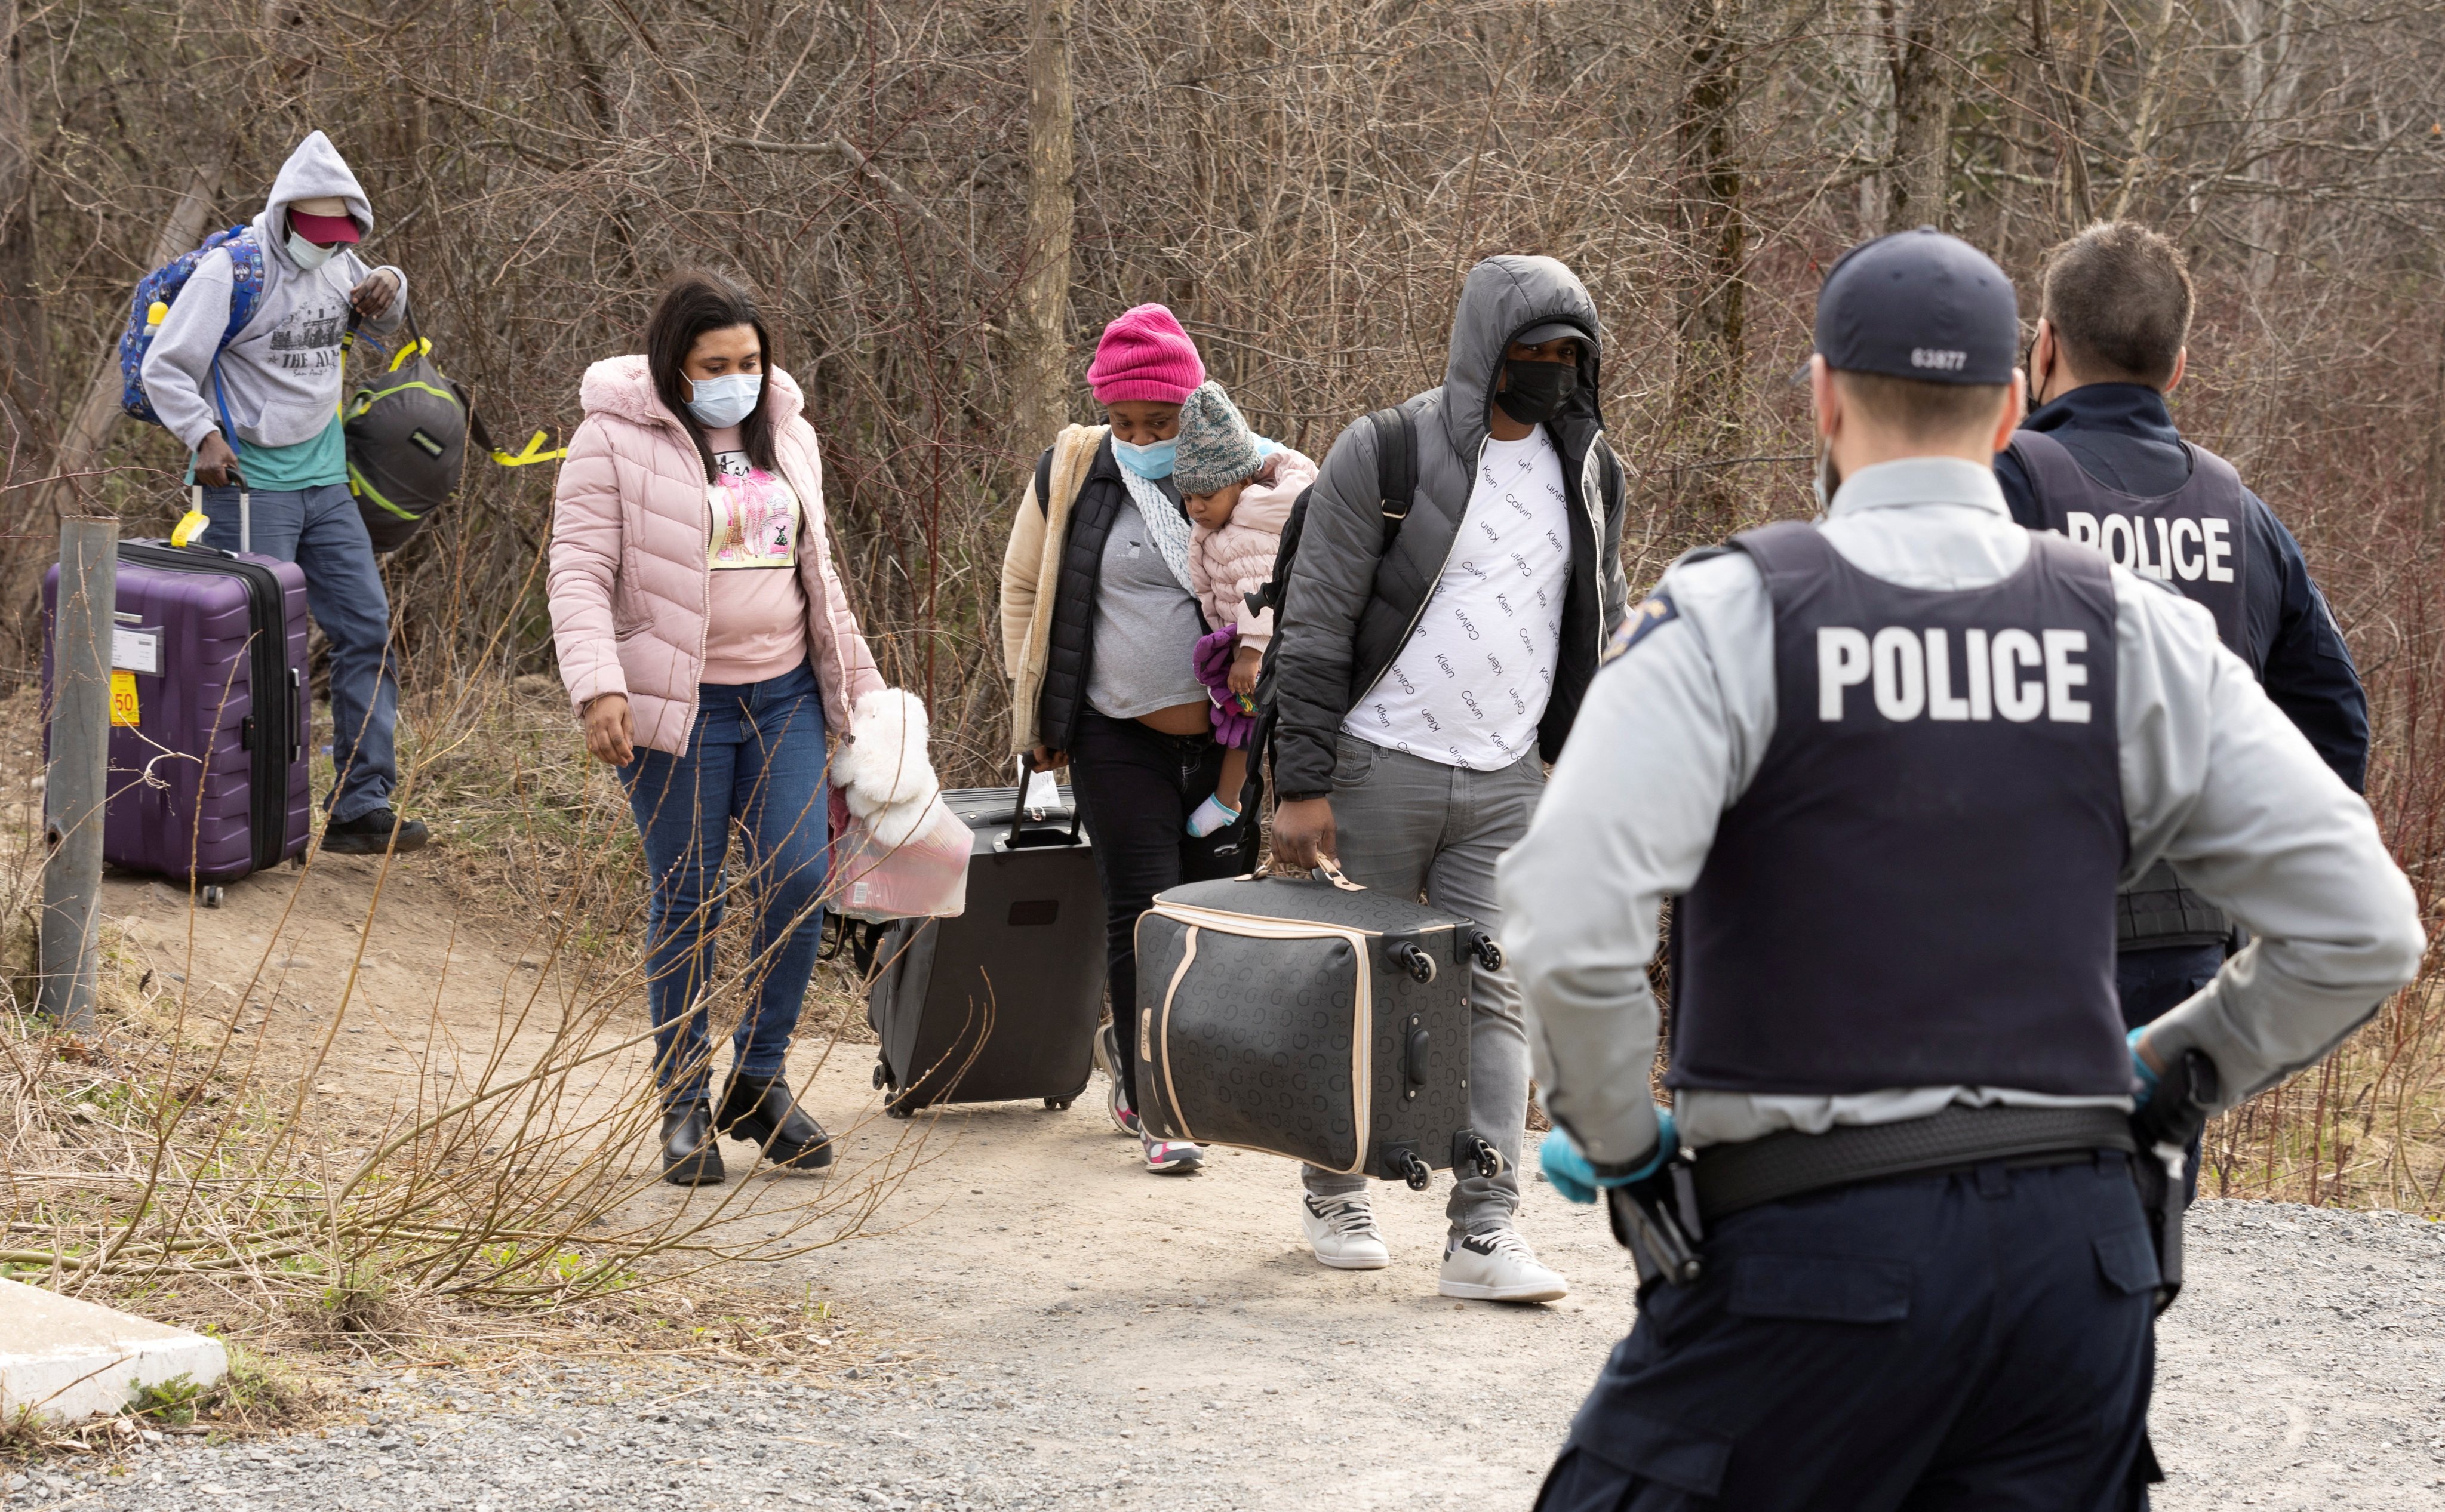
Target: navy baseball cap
{"points": [[1919, 304]]}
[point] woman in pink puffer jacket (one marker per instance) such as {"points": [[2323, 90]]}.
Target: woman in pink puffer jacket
{"points": [[1238, 489], [709, 651]]}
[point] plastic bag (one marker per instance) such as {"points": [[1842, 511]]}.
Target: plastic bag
{"points": [[926, 877]]}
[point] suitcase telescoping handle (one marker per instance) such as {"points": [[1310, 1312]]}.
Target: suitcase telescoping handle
{"points": [[192, 528], [1018, 808]]}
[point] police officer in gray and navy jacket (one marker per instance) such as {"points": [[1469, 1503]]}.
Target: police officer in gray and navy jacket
{"points": [[1892, 765], [2100, 460]]}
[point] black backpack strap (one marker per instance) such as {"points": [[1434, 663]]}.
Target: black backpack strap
{"points": [[1397, 467], [475, 427], [1044, 484]]}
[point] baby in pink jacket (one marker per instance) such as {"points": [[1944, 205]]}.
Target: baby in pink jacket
{"points": [[1239, 489]]}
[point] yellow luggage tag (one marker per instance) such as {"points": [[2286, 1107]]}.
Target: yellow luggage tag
{"points": [[191, 525], [123, 698]]}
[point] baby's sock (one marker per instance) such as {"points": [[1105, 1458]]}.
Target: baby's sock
{"points": [[1211, 816]]}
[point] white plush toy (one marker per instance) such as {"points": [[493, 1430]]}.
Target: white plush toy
{"points": [[883, 771]]}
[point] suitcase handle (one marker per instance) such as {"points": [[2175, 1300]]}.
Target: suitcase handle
{"points": [[1019, 807], [1327, 867]]}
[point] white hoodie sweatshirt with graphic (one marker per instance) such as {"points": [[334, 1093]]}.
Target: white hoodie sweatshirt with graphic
{"points": [[281, 377]]}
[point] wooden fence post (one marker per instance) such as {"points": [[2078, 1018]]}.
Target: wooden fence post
{"points": [[72, 793]]}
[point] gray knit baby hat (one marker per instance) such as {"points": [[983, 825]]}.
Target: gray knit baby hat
{"points": [[1216, 448]]}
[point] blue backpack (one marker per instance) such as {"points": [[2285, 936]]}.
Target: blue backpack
{"points": [[158, 289]]}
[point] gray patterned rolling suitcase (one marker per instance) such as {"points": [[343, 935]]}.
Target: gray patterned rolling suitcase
{"points": [[1313, 1019]]}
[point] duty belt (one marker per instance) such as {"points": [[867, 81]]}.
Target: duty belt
{"points": [[1731, 1177], [2158, 912]]}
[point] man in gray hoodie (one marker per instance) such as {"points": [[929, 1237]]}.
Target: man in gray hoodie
{"points": [[1430, 658], [261, 417]]}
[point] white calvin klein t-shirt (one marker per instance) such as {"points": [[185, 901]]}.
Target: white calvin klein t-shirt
{"points": [[1470, 685]]}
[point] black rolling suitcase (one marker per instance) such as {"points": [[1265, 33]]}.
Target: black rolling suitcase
{"points": [[1316, 1020], [1003, 1002]]}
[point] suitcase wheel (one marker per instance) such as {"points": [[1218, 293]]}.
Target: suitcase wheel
{"points": [[882, 1075], [1489, 953], [1420, 965], [1058, 1104], [900, 1110], [212, 895]]}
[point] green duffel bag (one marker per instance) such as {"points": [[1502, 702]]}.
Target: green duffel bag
{"points": [[407, 433]]}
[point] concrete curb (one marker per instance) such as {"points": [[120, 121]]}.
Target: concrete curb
{"points": [[69, 1360]]}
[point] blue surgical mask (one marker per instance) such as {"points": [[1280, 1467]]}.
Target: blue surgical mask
{"points": [[723, 401], [1151, 460]]}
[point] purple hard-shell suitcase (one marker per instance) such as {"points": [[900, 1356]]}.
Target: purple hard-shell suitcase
{"points": [[212, 781]]}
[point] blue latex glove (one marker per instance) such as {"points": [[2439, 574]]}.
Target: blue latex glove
{"points": [[2139, 1069], [1570, 1174]]}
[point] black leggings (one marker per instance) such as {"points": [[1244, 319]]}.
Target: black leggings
{"points": [[1136, 788]]}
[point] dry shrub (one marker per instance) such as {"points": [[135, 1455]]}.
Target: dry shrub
{"points": [[170, 1160], [1305, 180]]}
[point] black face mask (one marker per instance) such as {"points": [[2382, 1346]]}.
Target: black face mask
{"points": [[1538, 390]]}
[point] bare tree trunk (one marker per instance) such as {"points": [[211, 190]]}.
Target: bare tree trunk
{"points": [[2155, 96], [1917, 43], [1714, 230], [25, 357], [81, 446], [1052, 206], [2432, 503], [2062, 107]]}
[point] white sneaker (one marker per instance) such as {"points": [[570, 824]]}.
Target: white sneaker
{"points": [[1498, 1266], [1171, 1156], [1341, 1230]]}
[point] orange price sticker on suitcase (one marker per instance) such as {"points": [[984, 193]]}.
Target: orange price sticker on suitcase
{"points": [[123, 698]]}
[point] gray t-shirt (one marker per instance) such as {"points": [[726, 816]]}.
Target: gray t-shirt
{"points": [[1147, 628]]}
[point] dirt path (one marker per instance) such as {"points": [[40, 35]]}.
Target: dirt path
{"points": [[1042, 1323]]}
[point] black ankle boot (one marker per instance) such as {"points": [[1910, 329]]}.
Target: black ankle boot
{"points": [[691, 1156], [760, 1110]]}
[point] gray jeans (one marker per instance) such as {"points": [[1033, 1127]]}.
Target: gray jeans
{"points": [[1410, 826]]}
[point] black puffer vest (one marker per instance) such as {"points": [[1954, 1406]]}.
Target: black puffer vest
{"points": [[1101, 498]]}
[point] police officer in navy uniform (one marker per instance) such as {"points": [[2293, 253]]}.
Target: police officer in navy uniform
{"points": [[1891, 766], [2101, 461]]}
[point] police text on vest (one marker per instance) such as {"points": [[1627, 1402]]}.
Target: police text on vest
{"points": [[2183, 548], [2014, 673]]}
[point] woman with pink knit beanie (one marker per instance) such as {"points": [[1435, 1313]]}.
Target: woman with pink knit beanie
{"points": [[1099, 632]]}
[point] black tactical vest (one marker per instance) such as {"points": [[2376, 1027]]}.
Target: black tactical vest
{"points": [[1917, 887], [2194, 540]]}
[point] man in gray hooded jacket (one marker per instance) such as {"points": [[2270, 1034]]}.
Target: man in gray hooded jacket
{"points": [[1424, 672], [261, 417]]}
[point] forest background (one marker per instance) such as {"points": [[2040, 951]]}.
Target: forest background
{"points": [[943, 200]]}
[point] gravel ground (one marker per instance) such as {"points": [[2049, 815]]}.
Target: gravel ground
{"points": [[2305, 1367]]}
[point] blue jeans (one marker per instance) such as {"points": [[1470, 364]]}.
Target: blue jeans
{"points": [[320, 530], [754, 759]]}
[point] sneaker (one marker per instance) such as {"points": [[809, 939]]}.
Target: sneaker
{"points": [[1171, 1157], [1341, 1230], [372, 833], [1107, 1050], [1498, 1266]]}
